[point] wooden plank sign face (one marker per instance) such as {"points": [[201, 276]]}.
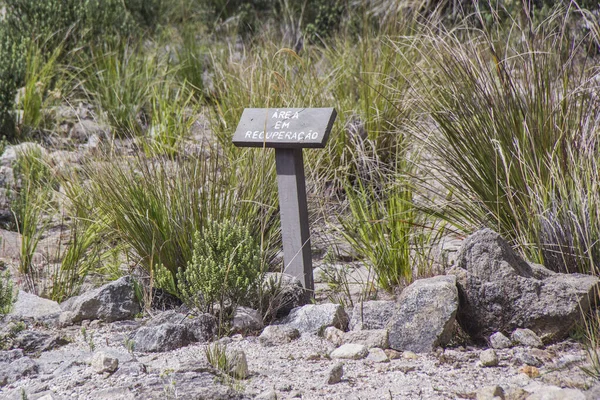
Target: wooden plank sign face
{"points": [[286, 128]]}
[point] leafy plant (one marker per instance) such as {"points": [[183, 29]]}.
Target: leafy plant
{"points": [[218, 356], [224, 270]]}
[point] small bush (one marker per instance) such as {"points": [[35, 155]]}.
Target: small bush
{"points": [[225, 268], [6, 293]]}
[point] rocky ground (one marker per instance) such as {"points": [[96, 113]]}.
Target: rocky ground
{"points": [[298, 369]]}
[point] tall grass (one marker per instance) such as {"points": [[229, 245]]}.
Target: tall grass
{"points": [[516, 120], [156, 205]]}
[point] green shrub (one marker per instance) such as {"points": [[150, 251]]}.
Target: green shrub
{"points": [[6, 293], [225, 268]]}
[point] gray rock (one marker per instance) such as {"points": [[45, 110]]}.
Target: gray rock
{"points": [[85, 128], [9, 356], [334, 335], [314, 318], [237, 364], [274, 335], [31, 306], [377, 355], [247, 320], [19, 368], [527, 338], [11, 152], [425, 315], [335, 374], [490, 393], [267, 395], [102, 362], [284, 292], [34, 342], [529, 358], [370, 338], [499, 291], [203, 327], [112, 302], [350, 351], [556, 393], [488, 358], [165, 337], [499, 341], [373, 314]]}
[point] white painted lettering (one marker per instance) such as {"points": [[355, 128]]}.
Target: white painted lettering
{"points": [[295, 115], [278, 125], [285, 124], [248, 134]]}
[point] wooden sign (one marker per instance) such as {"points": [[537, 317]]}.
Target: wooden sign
{"points": [[289, 130], [284, 127]]}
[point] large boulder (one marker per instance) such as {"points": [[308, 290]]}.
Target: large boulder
{"points": [[112, 302], [500, 291], [425, 315], [373, 314]]}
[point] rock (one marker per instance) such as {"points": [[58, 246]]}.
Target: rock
{"points": [[425, 315], [102, 362], [392, 354], [12, 152], [284, 293], [237, 364], [247, 320], [203, 327], [335, 374], [527, 338], [274, 335], [515, 393], [37, 342], [17, 369], [490, 393], [499, 291], [165, 337], [85, 128], [528, 358], [377, 355], [370, 338], [409, 355], [499, 341], [9, 356], [488, 358], [530, 371], [373, 314], [334, 335], [31, 306], [350, 351], [314, 318], [267, 395], [556, 393], [112, 302]]}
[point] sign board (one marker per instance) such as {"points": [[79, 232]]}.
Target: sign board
{"points": [[289, 130], [284, 127]]}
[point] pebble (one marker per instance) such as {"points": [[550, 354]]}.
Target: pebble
{"points": [[102, 362], [334, 335], [377, 355], [350, 351], [499, 341], [490, 393], [335, 374], [488, 358], [409, 355], [527, 338]]}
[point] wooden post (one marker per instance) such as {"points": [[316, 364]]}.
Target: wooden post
{"points": [[293, 208]]}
